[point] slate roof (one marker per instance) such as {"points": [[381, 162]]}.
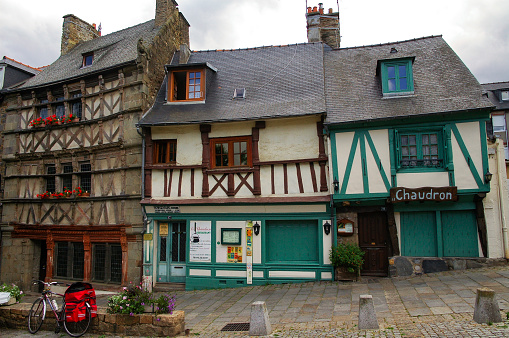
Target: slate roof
{"points": [[442, 82], [110, 50], [280, 81], [493, 91]]}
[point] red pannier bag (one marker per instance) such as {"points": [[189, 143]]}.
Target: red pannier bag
{"points": [[75, 297]]}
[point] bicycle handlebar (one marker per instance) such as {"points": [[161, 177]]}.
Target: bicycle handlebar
{"points": [[37, 281]]}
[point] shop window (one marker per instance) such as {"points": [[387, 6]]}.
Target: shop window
{"points": [[188, 85], [165, 151], [397, 77], [420, 150], [107, 262], [70, 258], [231, 152]]}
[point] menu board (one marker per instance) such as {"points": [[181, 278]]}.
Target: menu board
{"points": [[200, 243]]}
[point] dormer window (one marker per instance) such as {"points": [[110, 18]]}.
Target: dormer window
{"points": [[504, 95], [87, 60], [187, 85], [397, 77]]}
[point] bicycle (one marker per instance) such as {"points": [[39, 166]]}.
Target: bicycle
{"points": [[37, 313]]}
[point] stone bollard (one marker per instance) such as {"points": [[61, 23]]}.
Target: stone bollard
{"points": [[486, 307], [367, 315], [260, 324]]}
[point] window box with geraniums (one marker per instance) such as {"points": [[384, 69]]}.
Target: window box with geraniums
{"points": [[80, 193], [347, 260], [51, 120], [37, 123], [67, 193], [58, 195], [69, 118], [44, 195]]}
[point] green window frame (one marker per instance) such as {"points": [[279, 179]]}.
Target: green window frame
{"points": [[397, 77], [419, 150]]}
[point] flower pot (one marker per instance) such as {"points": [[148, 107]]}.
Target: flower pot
{"points": [[342, 274], [75, 120], [85, 194]]}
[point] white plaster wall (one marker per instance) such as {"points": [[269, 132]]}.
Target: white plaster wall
{"points": [[381, 142], [462, 174], [189, 147], [471, 135], [327, 242], [231, 129], [289, 139], [343, 145], [426, 179], [492, 202], [356, 182], [222, 250]]}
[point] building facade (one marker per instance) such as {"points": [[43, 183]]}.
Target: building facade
{"points": [[409, 157], [236, 180], [72, 156]]}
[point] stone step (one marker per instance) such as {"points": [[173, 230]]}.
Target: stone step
{"points": [[164, 287]]}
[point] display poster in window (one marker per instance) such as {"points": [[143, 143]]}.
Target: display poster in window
{"points": [[249, 252], [234, 254], [200, 241], [163, 229]]}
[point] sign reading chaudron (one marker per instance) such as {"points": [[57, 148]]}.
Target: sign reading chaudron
{"points": [[438, 194]]}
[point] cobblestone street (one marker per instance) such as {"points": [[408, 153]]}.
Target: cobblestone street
{"points": [[433, 305]]}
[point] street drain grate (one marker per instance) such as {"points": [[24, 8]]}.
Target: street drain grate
{"points": [[236, 327]]}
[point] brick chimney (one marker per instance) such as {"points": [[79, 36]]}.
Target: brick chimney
{"points": [[323, 27], [74, 32], [164, 9]]}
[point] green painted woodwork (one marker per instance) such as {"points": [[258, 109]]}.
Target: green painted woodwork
{"points": [[397, 76], [364, 165], [445, 233], [459, 231], [377, 160], [418, 234], [351, 157], [484, 150], [334, 161], [292, 241], [466, 154], [392, 145]]}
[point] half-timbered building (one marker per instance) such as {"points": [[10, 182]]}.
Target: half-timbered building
{"points": [[409, 161], [72, 155], [235, 171]]}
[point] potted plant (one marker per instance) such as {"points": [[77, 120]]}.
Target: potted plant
{"points": [[67, 192], [58, 195], [80, 193], [44, 195], [51, 120], [14, 291], [347, 260]]}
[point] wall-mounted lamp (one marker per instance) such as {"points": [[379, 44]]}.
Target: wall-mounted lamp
{"points": [[256, 228], [487, 177], [336, 184], [326, 227]]}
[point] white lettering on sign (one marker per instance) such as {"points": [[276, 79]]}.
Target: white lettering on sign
{"points": [[440, 194], [166, 209]]}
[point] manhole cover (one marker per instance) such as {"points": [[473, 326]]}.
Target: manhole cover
{"points": [[236, 327]]}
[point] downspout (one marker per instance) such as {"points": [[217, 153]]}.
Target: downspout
{"points": [[145, 225], [501, 169]]}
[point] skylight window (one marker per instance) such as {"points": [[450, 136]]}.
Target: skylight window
{"points": [[88, 59], [505, 95], [239, 93]]}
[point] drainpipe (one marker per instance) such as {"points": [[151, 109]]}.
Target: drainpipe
{"points": [[501, 169], [145, 224]]}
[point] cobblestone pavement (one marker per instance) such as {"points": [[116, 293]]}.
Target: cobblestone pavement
{"points": [[432, 305]]}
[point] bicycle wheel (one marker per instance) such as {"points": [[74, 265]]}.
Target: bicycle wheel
{"points": [[36, 315], [76, 329]]}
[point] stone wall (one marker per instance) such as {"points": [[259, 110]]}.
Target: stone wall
{"points": [[75, 31], [407, 266], [166, 325]]}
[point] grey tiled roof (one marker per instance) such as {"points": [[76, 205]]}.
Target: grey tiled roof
{"points": [[109, 51], [280, 81], [442, 82], [493, 91]]}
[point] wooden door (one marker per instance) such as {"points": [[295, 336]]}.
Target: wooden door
{"points": [[374, 240]]}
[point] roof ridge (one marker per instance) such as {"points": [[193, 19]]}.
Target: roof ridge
{"points": [[392, 43], [255, 48], [123, 29], [498, 82], [21, 63]]}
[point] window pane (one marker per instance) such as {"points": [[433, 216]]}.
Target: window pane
{"points": [[505, 95], [162, 249], [78, 261], [198, 75], [60, 110], [434, 150], [43, 112], [404, 140], [100, 262], [403, 84], [391, 72], [191, 75], [62, 254], [392, 84], [413, 151], [433, 138], [402, 71], [116, 263], [412, 139]]}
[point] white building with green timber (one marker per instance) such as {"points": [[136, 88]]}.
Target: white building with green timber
{"points": [[409, 157]]}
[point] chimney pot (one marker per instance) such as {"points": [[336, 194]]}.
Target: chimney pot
{"points": [[309, 9], [330, 10], [315, 9], [320, 7], [93, 25]]}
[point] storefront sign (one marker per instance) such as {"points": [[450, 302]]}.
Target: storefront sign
{"points": [[147, 237], [166, 209], [200, 244], [163, 229], [438, 194], [234, 254]]}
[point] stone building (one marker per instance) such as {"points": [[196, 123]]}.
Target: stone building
{"points": [[72, 155]]}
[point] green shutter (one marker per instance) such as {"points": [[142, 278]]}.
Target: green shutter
{"points": [[292, 241], [459, 231], [418, 234]]}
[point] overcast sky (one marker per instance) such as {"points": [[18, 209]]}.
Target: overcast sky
{"points": [[478, 30]]}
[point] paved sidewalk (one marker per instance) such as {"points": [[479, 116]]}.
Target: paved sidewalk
{"points": [[433, 305]]}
